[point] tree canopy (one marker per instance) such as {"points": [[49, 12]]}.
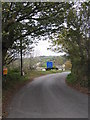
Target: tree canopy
{"points": [[21, 20], [74, 39], [67, 24]]}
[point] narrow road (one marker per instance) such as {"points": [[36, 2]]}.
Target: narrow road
{"points": [[49, 97]]}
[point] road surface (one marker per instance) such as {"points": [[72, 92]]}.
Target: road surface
{"points": [[49, 97]]}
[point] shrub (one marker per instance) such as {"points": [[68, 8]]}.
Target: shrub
{"points": [[72, 79], [17, 70], [13, 77]]}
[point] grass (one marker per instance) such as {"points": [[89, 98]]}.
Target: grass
{"points": [[14, 78], [71, 79], [34, 74], [14, 81], [78, 85]]}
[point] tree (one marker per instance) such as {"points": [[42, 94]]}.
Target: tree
{"points": [[68, 65], [74, 40], [21, 20], [14, 52], [58, 60]]}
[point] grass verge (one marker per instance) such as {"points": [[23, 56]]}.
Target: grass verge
{"points": [[14, 81], [71, 79], [75, 84]]}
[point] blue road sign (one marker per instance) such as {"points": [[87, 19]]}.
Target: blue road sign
{"points": [[49, 64]]}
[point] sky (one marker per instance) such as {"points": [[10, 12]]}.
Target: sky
{"points": [[41, 49]]}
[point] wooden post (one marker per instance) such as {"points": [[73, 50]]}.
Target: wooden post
{"points": [[21, 57]]}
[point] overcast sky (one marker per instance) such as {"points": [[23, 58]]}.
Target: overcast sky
{"points": [[41, 49]]}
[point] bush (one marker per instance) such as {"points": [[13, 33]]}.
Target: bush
{"points": [[17, 70], [13, 77], [72, 79], [84, 83]]}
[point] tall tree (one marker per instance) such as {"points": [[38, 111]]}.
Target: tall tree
{"points": [[20, 20], [74, 39]]}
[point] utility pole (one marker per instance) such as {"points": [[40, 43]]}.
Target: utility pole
{"points": [[21, 57]]}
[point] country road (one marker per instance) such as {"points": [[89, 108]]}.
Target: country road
{"points": [[49, 97]]}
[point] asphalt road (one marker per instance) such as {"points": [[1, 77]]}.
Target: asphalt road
{"points": [[49, 97]]}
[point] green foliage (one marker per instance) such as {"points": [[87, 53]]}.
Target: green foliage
{"points": [[27, 20], [15, 70], [23, 20], [74, 39], [57, 60], [71, 79], [39, 73], [13, 77]]}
